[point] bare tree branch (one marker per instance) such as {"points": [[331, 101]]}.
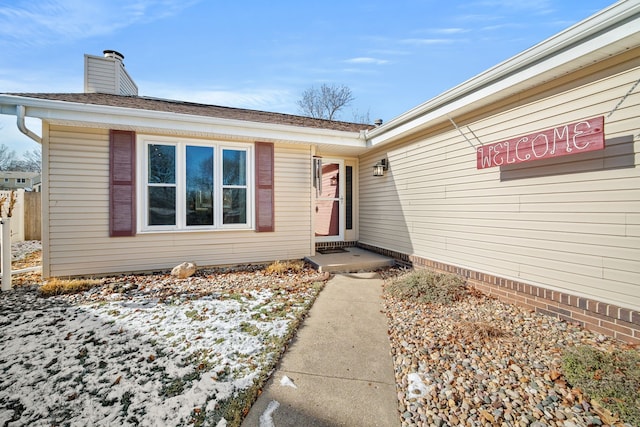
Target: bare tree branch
{"points": [[361, 117], [32, 160], [7, 157], [325, 102]]}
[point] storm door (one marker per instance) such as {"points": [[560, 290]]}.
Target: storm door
{"points": [[329, 207]]}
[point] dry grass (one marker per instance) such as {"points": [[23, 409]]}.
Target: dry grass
{"points": [[610, 378], [280, 267], [33, 259], [57, 286], [478, 330], [428, 287]]}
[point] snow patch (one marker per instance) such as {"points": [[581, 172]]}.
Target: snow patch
{"points": [[135, 358], [266, 419], [287, 382], [19, 250], [416, 387]]}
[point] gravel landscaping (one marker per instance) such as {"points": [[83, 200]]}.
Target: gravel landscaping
{"points": [[480, 362]]}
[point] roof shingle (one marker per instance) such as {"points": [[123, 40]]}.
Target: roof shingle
{"points": [[195, 109]]}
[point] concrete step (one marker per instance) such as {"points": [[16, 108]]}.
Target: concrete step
{"points": [[352, 260]]}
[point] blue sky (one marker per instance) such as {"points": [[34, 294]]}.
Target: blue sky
{"points": [[264, 54]]}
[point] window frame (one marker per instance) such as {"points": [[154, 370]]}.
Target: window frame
{"points": [[180, 144]]}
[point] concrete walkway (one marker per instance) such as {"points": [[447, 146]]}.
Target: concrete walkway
{"points": [[340, 362]]}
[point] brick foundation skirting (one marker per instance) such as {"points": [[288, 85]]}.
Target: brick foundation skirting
{"points": [[596, 316], [321, 245]]}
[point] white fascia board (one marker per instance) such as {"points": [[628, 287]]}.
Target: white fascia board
{"points": [[562, 50], [8, 108], [131, 118]]}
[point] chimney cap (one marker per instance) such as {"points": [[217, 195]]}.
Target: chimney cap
{"points": [[113, 54]]}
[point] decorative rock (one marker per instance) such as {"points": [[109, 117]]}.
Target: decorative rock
{"points": [[184, 270], [514, 379]]}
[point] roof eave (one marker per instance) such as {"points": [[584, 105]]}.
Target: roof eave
{"points": [[81, 114], [604, 32]]}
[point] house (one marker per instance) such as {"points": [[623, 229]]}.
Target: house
{"points": [[13, 180], [524, 179]]}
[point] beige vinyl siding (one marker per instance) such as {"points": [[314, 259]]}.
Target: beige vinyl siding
{"points": [[126, 83], [101, 75], [78, 222], [569, 223]]}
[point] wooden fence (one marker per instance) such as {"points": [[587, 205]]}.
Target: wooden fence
{"points": [[26, 219], [32, 216]]}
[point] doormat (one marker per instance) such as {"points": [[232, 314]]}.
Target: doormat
{"points": [[326, 251]]}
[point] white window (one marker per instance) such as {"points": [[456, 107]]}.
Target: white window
{"points": [[194, 185], [21, 180]]}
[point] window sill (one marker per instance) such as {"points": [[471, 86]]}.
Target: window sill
{"points": [[195, 230]]}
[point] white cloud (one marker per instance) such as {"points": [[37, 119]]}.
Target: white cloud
{"points": [[45, 22], [538, 7], [251, 98], [366, 60], [506, 25], [449, 30], [39, 80], [427, 41], [478, 17], [393, 52], [357, 71]]}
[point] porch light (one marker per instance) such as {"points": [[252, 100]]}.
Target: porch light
{"points": [[380, 167]]}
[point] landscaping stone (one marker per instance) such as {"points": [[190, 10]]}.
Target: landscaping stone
{"points": [[184, 270], [489, 363]]}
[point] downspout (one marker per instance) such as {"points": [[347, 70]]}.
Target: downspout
{"points": [[20, 116], [6, 223]]}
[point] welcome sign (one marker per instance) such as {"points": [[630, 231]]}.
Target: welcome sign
{"points": [[573, 138]]}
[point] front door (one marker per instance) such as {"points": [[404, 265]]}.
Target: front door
{"points": [[329, 209]]}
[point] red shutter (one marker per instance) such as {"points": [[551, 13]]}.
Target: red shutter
{"points": [[264, 187], [122, 183]]}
